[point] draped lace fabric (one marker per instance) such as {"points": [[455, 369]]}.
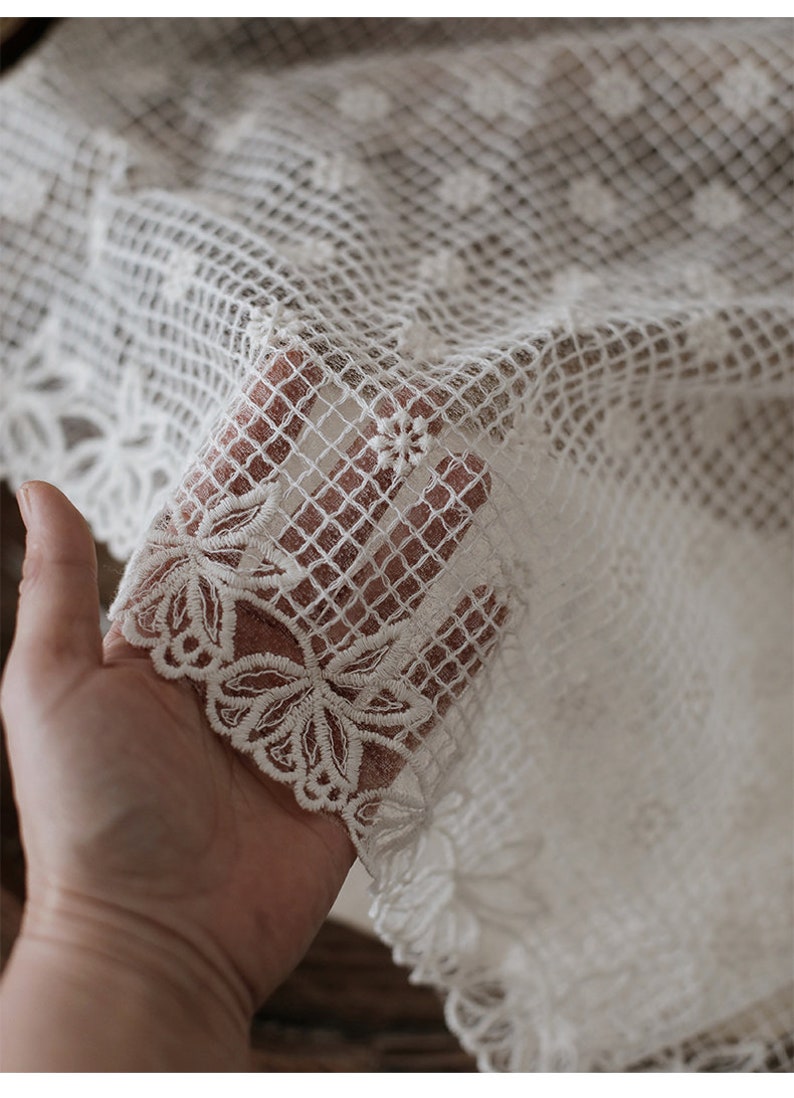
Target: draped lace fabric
{"points": [[435, 379]]}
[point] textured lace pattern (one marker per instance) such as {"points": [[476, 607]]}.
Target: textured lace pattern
{"points": [[434, 379]]}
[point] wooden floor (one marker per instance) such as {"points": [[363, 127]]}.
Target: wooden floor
{"points": [[347, 1007]]}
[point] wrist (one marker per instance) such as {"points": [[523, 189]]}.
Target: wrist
{"points": [[150, 996]]}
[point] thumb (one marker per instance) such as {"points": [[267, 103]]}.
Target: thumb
{"points": [[58, 613]]}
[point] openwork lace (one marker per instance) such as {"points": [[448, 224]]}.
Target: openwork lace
{"points": [[433, 377]]}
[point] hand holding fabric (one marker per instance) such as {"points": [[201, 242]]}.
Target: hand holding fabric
{"points": [[167, 873]]}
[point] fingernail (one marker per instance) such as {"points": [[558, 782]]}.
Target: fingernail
{"points": [[23, 502]]}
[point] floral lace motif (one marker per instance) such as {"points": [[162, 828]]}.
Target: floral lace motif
{"points": [[552, 249], [617, 93], [716, 206], [195, 572], [364, 103], [115, 457], [222, 600], [311, 719], [401, 442], [592, 201], [336, 172], [465, 190]]}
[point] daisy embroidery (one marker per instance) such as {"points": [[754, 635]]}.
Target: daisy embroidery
{"points": [[401, 442]]}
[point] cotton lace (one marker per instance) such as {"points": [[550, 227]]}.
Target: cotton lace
{"points": [[433, 378]]}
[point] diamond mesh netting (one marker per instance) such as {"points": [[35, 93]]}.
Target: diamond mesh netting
{"points": [[434, 378]]}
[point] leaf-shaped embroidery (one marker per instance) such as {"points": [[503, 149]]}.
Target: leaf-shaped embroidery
{"points": [[342, 745], [145, 620], [254, 681], [281, 754], [338, 744], [274, 568], [311, 748], [226, 558], [211, 610], [178, 609], [237, 517], [369, 660], [386, 702], [395, 704], [160, 575], [235, 521], [275, 715], [229, 715], [395, 819]]}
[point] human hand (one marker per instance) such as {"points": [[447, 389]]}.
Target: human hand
{"points": [[150, 842], [152, 847]]}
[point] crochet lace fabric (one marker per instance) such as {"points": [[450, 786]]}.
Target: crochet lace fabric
{"points": [[434, 377]]}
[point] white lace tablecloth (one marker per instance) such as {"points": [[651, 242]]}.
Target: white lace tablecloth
{"points": [[434, 378]]}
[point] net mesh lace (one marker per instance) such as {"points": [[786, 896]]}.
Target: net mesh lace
{"points": [[434, 379]]}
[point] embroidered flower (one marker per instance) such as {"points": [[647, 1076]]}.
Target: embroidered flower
{"points": [[420, 342], [39, 383], [32, 443], [465, 190], [232, 134], [592, 202], [444, 270], [113, 460], [704, 280], [710, 338], [575, 291], [363, 103], [426, 912], [492, 97], [616, 93], [189, 580], [314, 252], [573, 283], [386, 821], [179, 274], [745, 89], [714, 421], [270, 325], [225, 205], [23, 198], [716, 206], [314, 717], [401, 442], [120, 465], [443, 895], [335, 172]]}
